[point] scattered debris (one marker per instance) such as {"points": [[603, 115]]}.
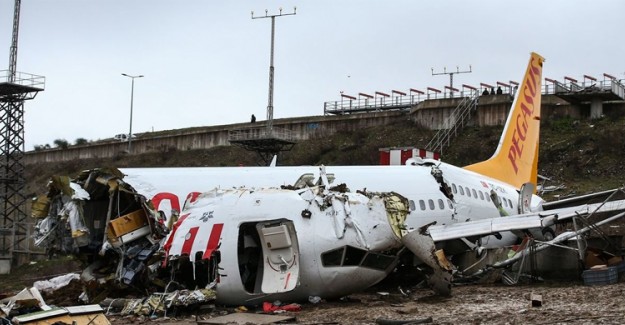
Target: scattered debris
{"points": [[277, 307], [157, 303], [536, 299], [247, 318], [51, 285], [79, 315]]}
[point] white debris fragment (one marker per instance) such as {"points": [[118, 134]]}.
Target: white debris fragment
{"points": [[79, 192], [54, 284]]}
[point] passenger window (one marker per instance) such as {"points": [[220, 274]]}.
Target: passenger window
{"points": [[481, 195], [453, 187], [441, 204], [422, 205], [505, 202], [449, 203], [510, 202], [487, 197], [461, 190], [412, 206], [474, 193], [431, 203], [468, 191]]}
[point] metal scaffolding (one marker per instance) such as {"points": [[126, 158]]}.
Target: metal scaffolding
{"points": [[14, 227]]}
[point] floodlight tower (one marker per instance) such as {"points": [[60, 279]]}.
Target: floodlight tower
{"points": [[15, 88], [269, 141], [271, 68]]}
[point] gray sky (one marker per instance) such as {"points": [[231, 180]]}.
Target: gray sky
{"points": [[206, 62]]}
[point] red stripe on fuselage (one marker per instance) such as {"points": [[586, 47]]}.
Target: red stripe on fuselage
{"points": [[213, 240], [188, 241]]}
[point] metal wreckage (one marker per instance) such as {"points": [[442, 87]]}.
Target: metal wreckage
{"points": [[128, 244], [102, 220], [124, 239]]}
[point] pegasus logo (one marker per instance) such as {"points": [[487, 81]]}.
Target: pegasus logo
{"points": [[519, 134]]}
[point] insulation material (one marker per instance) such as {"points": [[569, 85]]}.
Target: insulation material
{"points": [[74, 213]]}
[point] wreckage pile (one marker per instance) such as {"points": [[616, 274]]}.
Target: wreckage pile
{"points": [[101, 219], [119, 234]]}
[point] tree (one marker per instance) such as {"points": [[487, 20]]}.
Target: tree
{"points": [[39, 147], [80, 141], [61, 143]]}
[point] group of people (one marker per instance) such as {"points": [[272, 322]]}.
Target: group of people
{"points": [[492, 91]]}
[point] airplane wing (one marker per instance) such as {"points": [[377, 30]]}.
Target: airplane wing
{"points": [[421, 241], [583, 199], [516, 222]]}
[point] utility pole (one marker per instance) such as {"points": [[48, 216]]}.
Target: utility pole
{"points": [[271, 67], [451, 74]]}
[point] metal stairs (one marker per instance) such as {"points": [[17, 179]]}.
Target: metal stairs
{"points": [[454, 123]]}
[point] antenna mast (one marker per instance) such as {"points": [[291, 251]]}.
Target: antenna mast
{"points": [[451, 74], [13, 55]]}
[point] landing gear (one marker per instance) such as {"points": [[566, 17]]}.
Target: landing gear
{"points": [[548, 234]]}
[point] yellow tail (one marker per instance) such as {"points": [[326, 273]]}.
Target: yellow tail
{"points": [[516, 159]]}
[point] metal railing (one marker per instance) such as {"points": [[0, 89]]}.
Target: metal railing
{"points": [[379, 103], [261, 133], [614, 85], [24, 79], [453, 123]]}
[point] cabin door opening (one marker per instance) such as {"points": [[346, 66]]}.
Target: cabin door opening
{"points": [[268, 255]]}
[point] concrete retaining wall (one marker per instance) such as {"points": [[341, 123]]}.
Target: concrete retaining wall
{"points": [[492, 110], [303, 128]]}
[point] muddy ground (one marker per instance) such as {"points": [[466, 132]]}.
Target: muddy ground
{"points": [[562, 303]]}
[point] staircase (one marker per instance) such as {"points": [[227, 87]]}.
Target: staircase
{"points": [[454, 123]]}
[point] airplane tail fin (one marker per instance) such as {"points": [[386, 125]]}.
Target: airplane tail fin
{"points": [[516, 159]]}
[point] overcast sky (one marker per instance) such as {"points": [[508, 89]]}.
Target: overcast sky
{"points": [[206, 62]]}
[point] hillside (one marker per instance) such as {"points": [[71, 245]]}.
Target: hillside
{"points": [[584, 155]]}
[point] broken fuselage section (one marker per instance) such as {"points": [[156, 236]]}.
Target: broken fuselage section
{"points": [[246, 244], [101, 219]]}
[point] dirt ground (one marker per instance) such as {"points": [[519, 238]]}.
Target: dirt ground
{"points": [[570, 303]]}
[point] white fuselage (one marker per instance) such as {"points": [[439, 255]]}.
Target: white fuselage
{"points": [[471, 200], [413, 182]]}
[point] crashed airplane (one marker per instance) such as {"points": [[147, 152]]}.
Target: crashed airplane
{"points": [[264, 233]]}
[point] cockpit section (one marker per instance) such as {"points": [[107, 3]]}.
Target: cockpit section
{"points": [[353, 256]]}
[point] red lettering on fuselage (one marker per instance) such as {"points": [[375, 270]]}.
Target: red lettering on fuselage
{"points": [[173, 200], [521, 126]]}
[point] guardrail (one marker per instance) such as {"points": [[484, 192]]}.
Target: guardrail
{"points": [[382, 103], [551, 87], [379, 103], [23, 79], [260, 134]]}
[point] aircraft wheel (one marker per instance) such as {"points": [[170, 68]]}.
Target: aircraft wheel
{"points": [[479, 250], [548, 234]]}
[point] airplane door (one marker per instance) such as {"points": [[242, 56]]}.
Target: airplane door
{"points": [[525, 197], [280, 256]]}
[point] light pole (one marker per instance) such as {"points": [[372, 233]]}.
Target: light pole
{"points": [[132, 93]]}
